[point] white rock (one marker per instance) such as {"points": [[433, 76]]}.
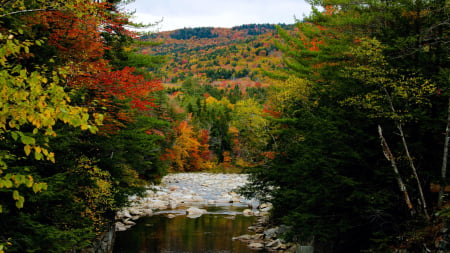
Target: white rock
{"points": [[247, 212], [161, 194], [243, 238], [121, 227], [129, 222], [265, 207], [176, 195], [276, 244], [195, 210], [197, 199], [147, 212], [174, 187], [225, 200], [172, 204], [126, 213], [236, 199], [256, 245], [186, 198], [134, 211]]}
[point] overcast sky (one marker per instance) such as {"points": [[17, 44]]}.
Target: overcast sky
{"points": [[178, 14]]}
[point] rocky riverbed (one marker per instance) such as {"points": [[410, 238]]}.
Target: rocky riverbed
{"points": [[190, 193], [187, 193]]}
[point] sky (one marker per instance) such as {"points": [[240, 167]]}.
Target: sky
{"points": [[177, 14]]}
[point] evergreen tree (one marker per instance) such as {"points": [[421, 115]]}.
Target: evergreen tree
{"points": [[328, 157]]}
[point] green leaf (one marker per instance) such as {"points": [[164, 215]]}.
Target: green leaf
{"points": [[14, 135], [27, 140], [20, 201], [16, 195], [7, 183], [29, 181], [38, 156]]}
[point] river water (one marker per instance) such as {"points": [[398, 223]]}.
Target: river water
{"points": [[172, 231]]}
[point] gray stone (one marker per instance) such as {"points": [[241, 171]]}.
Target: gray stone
{"points": [[271, 233]]}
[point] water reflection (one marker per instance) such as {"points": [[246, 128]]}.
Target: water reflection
{"points": [[212, 232]]}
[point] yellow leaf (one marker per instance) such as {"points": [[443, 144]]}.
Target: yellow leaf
{"points": [[27, 149], [30, 181]]}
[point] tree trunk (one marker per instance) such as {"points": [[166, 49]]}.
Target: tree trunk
{"points": [[408, 155], [444, 159], [414, 170], [388, 154]]}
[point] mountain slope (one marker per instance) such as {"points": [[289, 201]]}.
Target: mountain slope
{"points": [[216, 54]]}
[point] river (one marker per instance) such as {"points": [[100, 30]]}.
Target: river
{"points": [[171, 230]]}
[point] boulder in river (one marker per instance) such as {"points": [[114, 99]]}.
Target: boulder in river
{"points": [[256, 245], [121, 227], [195, 211], [247, 212]]}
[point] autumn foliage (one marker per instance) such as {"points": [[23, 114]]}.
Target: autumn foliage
{"points": [[77, 40], [57, 82], [190, 151]]}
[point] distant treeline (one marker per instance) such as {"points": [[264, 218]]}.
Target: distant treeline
{"points": [[188, 33], [207, 32], [257, 29]]}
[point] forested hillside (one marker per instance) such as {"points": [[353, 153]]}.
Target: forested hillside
{"points": [[209, 54], [341, 120], [217, 88]]}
